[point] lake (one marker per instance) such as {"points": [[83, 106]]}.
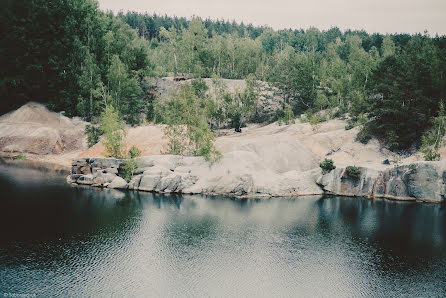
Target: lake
{"points": [[58, 240]]}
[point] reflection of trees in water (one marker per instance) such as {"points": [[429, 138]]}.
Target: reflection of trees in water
{"points": [[403, 234], [71, 223]]}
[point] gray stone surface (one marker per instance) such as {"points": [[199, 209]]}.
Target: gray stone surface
{"points": [[118, 182], [425, 181], [149, 182], [157, 170], [85, 179], [135, 181]]}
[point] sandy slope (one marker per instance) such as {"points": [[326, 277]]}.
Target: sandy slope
{"points": [[41, 134]]}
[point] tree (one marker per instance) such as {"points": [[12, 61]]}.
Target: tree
{"points": [[187, 126], [114, 132], [124, 90], [406, 93], [293, 75], [388, 47]]}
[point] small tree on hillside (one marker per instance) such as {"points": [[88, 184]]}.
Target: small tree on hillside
{"points": [[114, 132]]}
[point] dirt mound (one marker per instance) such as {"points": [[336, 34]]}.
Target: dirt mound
{"points": [[34, 129]]}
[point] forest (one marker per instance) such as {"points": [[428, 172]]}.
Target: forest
{"points": [[78, 60]]}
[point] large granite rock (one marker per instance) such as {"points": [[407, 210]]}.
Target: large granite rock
{"points": [[134, 182], [149, 182], [85, 179], [424, 181], [118, 182]]}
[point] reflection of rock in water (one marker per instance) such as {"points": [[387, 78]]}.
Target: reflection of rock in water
{"points": [[401, 232]]}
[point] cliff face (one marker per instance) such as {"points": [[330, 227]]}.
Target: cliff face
{"points": [[423, 181]]}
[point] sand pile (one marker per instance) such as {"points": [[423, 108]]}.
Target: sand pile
{"points": [[34, 129]]}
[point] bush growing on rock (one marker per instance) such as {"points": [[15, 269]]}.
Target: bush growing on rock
{"points": [[327, 165], [353, 172], [130, 164]]}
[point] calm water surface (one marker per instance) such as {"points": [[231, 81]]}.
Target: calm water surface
{"points": [[56, 240]]}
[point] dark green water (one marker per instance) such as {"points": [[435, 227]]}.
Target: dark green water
{"points": [[62, 241]]}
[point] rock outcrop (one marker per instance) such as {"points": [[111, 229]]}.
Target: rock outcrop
{"points": [[232, 176], [421, 181]]}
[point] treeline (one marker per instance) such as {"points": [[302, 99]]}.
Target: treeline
{"points": [[395, 83], [72, 56], [79, 59]]}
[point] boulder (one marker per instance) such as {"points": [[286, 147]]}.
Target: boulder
{"points": [[112, 170], [85, 170], [149, 182], [169, 183], [118, 182], [102, 178], [105, 163], [135, 181], [85, 179], [157, 170], [186, 182]]}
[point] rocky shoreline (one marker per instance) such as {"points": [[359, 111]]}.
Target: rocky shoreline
{"points": [[420, 181]]}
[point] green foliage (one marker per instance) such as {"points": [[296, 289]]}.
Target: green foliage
{"points": [[64, 53], [187, 126], [327, 165], [129, 165], [114, 132], [21, 156], [363, 135], [134, 152], [93, 134], [413, 168], [84, 60], [314, 119], [288, 118], [353, 172], [431, 140], [200, 87], [406, 89]]}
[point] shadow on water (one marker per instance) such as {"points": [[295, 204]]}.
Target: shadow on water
{"points": [[62, 240]]}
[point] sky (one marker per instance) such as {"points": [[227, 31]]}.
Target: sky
{"points": [[383, 16]]}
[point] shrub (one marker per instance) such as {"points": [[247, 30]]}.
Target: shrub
{"points": [[128, 168], [327, 165], [363, 135], [20, 156], [350, 124], [93, 133], [130, 164], [353, 172], [289, 115], [134, 152]]}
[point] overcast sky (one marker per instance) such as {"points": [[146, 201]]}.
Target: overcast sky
{"points": [[384, 16]]}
